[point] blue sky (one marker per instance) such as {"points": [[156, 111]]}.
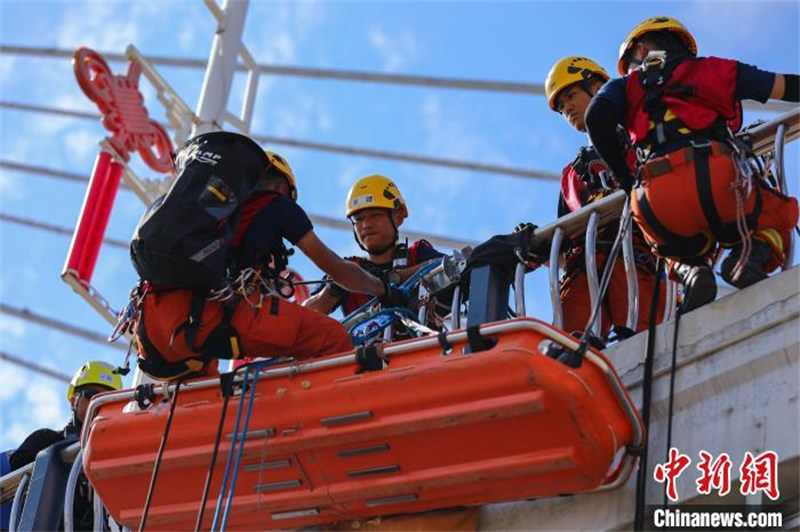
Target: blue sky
{"points": [[506, 41]]}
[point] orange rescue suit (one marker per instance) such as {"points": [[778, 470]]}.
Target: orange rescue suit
{"points": [[686, 203]]}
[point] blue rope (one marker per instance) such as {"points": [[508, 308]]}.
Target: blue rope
{"points": [[230, 452], [406, 287], [237, 467]]}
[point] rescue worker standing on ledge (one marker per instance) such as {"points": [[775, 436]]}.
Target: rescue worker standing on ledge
{"points": [[92, 378], [376, 209], [245, 326], [694, 182], [569, 87]]}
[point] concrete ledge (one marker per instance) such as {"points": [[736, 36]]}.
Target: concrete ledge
{"points": [[736, 389]]}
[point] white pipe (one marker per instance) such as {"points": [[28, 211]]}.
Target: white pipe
{"points": [[455, 309], [629, 259], [99, 513], [780, 170], [69, 492], [591, 271], [519, 290], [213, 102], [555, 291], [16, 506]]}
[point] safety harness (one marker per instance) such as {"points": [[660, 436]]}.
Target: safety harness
{"points": [[685, 144], [404, 256], [253, 285]]}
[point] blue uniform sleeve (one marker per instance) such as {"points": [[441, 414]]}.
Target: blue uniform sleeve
{"points": [[614, 92], [282, 218], [294, 221], [753, 83]]}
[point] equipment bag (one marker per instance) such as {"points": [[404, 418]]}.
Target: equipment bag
{"points": [[182, 239]]}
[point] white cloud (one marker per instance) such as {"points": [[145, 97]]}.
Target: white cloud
{"points": [[352, 169], [11, 326], [81, 143], [7, 65], [11, 188], [300, 117], [12, 379], [47, 405], [281, 28], [396, 50], [99, 25], [14, 435], [449, 134]]}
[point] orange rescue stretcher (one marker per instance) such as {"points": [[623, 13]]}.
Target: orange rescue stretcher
{"points": [[433, 429]]}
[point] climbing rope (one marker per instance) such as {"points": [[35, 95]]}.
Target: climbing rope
{"points": [[647, 395], [161, 447]]}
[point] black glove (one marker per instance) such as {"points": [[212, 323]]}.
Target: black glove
{"points": [[525, 226], [393, 296]]}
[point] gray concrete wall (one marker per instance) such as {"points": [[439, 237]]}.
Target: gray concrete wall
{"points": [[736, 389]]}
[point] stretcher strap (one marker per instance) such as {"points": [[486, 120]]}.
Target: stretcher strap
{"points": [[443, 343], [477, 342], [368, 359], [702, 174]]}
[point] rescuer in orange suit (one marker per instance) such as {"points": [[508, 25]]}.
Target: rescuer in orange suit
{"points": [[274, 327], [694, 189], [569, 87], [376, 209]]}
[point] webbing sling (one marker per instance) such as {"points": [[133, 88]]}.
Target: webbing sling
{"points": [[724, 232]]}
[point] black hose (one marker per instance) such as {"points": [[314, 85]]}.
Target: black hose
{"points": [[672, 386], [157, 466], [226, 383], [647, 395], [611, 259]]}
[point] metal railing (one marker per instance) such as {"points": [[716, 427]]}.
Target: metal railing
{"points": [[766, 138]]}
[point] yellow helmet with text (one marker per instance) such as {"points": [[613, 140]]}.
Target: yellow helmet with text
{"points": [[570, 70], [375, 191], [95, 372], [282, 166], [650, 25]]}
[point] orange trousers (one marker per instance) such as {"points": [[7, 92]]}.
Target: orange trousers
{"points": [[577, 307], [278, 328], [673, 203]]}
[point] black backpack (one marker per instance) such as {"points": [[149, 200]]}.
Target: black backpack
{"points": [[182, 239]]}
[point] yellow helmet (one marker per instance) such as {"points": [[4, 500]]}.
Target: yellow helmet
{"points": [[567, 71], [654, 24], [375, 191], [95, 372], [282, 166]]}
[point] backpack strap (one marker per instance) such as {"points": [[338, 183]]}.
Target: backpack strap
{"points": [[193, 320]]}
